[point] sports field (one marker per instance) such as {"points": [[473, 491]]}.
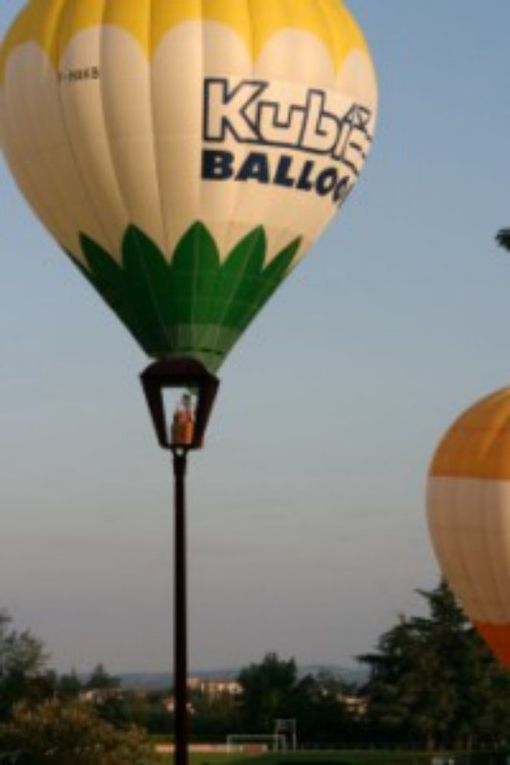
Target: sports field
{"points": [[317, 758]]}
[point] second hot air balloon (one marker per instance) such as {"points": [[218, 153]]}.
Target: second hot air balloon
{"points": [[469, 516]]}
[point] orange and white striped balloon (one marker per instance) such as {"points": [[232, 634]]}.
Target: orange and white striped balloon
{"points": [[469, 516]]}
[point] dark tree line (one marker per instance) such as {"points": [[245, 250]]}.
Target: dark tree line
{"points": [[434, 684], [22, 667], [273, 689], [431, 683], [25, 676]]}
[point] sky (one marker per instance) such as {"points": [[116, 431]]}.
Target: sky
{"points": [[306, 509]]}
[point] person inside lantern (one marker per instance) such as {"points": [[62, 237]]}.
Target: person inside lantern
{"points": [[183, 425]]}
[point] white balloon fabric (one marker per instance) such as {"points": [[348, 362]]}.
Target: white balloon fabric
{"points": [[469, 516], [186, 154]]}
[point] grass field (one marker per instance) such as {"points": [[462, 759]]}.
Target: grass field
{"points": [[318, 758]]}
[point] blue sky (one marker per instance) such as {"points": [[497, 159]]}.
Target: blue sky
{"points": [[306, 509]]}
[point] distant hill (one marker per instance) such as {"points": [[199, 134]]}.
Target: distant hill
{"points": [[157, 681]]}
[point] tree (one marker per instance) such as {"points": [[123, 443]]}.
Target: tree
{"points": [[317, 705], [273, 689], [267, 688], [503, 238], [100, 680], [23, 673], [69, 733], [433, 682], [69, 686], [215, 716]]}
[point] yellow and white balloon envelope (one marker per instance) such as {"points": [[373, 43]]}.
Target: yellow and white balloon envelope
{"points": [[186, 154], [469, 516]]}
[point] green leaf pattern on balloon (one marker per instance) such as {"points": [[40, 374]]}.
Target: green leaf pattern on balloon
{"points": [[192, 305]]}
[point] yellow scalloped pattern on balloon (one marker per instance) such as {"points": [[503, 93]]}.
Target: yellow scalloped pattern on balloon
{"points": [[53, 23]]}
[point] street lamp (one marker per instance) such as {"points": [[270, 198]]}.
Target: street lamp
{"points": [[193, 376]]}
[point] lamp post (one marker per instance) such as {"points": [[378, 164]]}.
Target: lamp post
{"points": [[192, 375]]}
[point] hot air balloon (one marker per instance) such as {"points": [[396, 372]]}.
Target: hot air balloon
{"points": [[185, 154], [469, 516]]}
